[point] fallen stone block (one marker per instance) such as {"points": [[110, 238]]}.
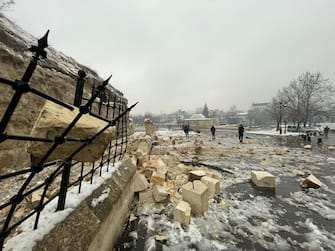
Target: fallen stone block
{"points": [[196, 193], [263, 179], [212, 184], [157, 178], [146, 196], [140, 183], [160, 193], [182, 212], [331, 148], [311, 182], [196, 175], [52, 122], [308, 147], [149, 127]]}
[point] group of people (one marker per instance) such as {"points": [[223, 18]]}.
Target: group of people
{"points": [[186, 129]]}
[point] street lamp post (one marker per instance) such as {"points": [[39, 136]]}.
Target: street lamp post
{"points": [[281, 105]]}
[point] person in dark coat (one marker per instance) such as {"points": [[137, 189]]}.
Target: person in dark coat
{"points": [[186, 129], [240, 133], [325, 131], [213, 132]]}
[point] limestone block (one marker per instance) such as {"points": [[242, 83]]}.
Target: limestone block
{"points": [[311, 182], [157, 178], [182, 212], [54, 119], [212, 184], [146, 196], [160, 193], [140, 183], [197, 195], [149, 127], [308, 147], [263, 179], [331, 148], [196, 175], [143, 148], [131, 126], [158, 164]]}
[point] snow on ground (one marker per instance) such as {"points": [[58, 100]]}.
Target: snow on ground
{"points": [[242, 216], [50, 217]]}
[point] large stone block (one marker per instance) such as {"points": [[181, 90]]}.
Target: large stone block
{"points": [[149, 127], [196, 175], [263, 179], [140, 183], [157, 178], [311, 182], [182, 212], [212, 184], [54, 119], [160, 193], [146, 196], [196, 193]]}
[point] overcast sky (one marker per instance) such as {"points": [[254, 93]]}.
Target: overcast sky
{"points": [[181, 54]]}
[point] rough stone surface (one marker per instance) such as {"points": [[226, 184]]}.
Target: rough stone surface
{"points": [[196, 194], [196, 175], [158, 178], [263, 179], [54, 119], [311, 182], [146, 196], [212, 184], [160, 193], [308, 147], [149, 127], [55, 76], [140, 183], [182, 212]]}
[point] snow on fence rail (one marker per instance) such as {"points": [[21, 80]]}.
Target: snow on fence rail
{"points": [[50, 179]]}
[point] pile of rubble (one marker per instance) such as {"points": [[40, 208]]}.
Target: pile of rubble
{"points": [[164, 178]]}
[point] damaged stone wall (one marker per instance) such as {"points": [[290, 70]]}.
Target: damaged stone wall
{"points": [[55, 76]]}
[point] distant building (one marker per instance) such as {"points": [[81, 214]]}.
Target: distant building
{"points": [[199, 122]]}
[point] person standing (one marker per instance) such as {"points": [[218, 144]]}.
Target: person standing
{"points": [[186, 129], [240, 133], [325, 131], [213, 132]]}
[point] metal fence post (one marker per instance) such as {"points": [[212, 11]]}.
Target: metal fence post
{"points": [[64, 184], [79, 88]]}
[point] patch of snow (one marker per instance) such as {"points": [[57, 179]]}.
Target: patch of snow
{"points": [[101, 198], [50, 217]]}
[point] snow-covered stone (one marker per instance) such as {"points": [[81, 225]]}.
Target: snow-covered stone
{"points": [[212, 184], [263, 179], [311, 182], [308, 147], [160, 193], [182, 212], [196, 193]]}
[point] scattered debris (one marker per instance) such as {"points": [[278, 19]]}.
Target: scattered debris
{"points": [[263, 179], [311, 182]]}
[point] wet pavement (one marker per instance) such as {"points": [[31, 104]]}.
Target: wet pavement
{"points": [[242, 216]]}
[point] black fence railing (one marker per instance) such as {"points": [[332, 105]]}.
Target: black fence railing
{"points": [[52, 178]]}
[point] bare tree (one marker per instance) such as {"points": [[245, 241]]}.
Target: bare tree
{"points": [[307, 97]]}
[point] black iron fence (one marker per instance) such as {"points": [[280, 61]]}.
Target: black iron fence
{"points": [[52, 178]]}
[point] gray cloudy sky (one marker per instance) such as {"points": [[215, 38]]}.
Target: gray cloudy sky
{"points": [[175, 54]]}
